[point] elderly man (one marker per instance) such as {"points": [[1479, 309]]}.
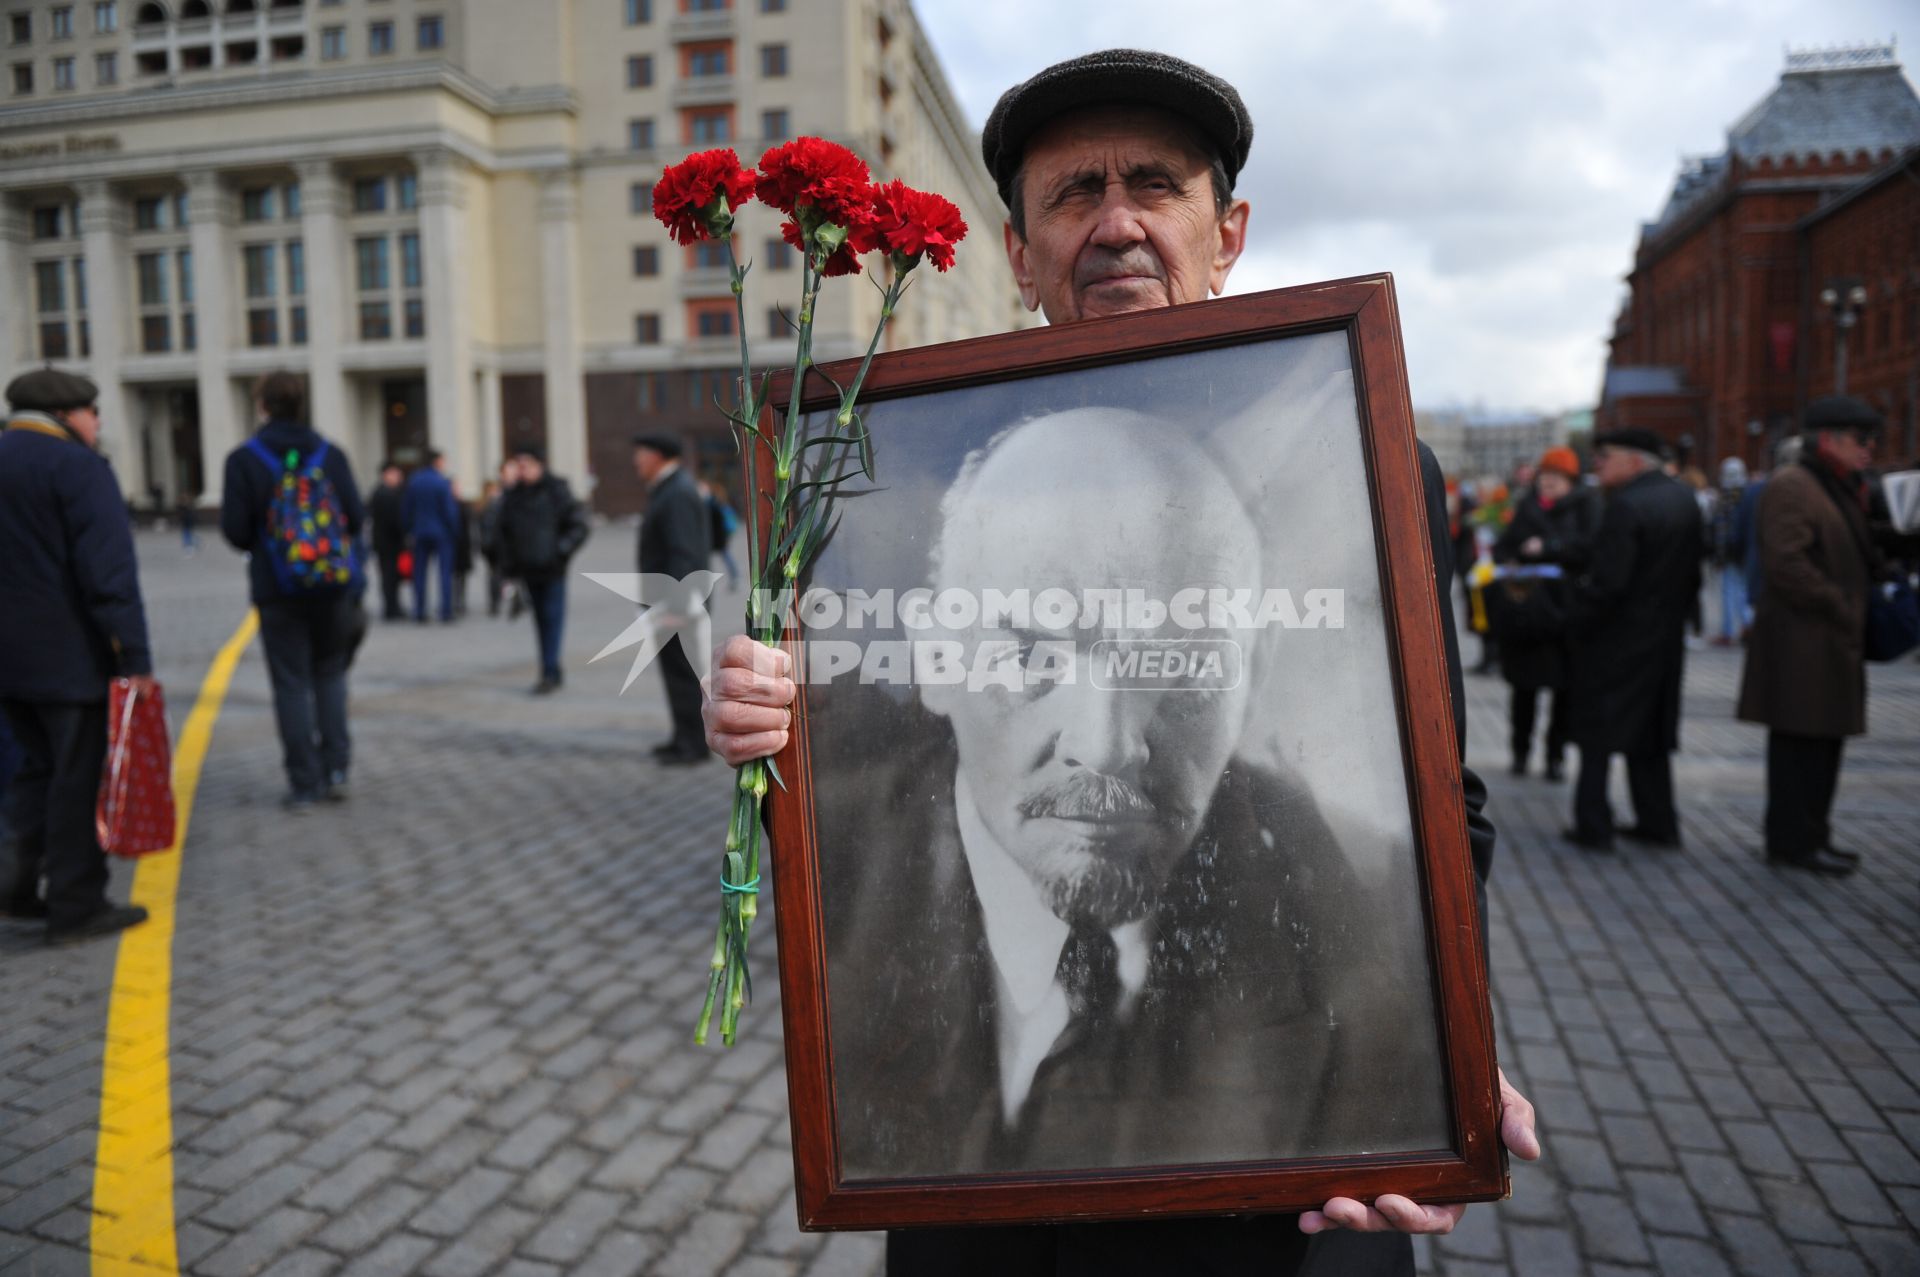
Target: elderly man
{"points": [[1805, 677], [1117, 170], [72, 621], [1628, 619]]}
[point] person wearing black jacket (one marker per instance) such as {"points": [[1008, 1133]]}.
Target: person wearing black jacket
{"points": [[72, 621], [384, 509], [1553, 524], [676, 539], [309, 637], [1627, 619], [540, 528]]}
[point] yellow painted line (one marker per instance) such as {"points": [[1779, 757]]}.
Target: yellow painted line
{"points": [[133, 1167]]}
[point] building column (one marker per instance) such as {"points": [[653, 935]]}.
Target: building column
{"points": [[452, 426], [103, 226], [491, 444], [324, 247], [210, 229], [16, 299], [560, 300]]}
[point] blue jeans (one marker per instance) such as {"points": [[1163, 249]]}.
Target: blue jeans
{"points": [[549, 599], [439, 552], [1735, 615]]}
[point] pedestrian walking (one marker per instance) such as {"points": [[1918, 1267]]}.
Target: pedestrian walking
{"points": [[489, 537], [73, 621], [431, 515], [1805, 678], [1553, 527], [541, 528], [190, 523], [1726, 542], [676, 540], [385, 508], [290, 503], [1627, 618], [463, 539]]}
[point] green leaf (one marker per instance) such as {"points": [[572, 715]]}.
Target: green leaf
{"points": [[775, 773]]}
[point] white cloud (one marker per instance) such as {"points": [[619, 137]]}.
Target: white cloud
{"points": [[1496, 157]]}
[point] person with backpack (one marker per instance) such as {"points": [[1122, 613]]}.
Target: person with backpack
{"points": [[431, 515], [725, 524], [290, 503], [540, 528]]}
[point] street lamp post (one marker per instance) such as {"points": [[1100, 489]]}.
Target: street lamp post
{"points": [[1844, 300]]}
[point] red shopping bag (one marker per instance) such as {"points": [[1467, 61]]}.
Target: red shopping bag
{"points": [[405, 564], [135, 815]]}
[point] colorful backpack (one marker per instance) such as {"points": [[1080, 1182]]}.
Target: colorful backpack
{"points": [[306, 540]]}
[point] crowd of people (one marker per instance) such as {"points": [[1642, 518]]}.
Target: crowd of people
{"points": [[1590, 587]]}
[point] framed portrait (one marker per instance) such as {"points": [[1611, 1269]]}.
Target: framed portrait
{"points": [[1122, 864]]}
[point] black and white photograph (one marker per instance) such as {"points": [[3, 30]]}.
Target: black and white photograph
{"points": [[1116, 855]]}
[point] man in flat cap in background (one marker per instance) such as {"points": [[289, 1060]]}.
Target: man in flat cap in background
{"points": [[676, 539], [1626, 622], [1117, 170], [1806, 676], [71, 620]]}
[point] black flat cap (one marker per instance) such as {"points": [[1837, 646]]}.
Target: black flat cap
{"points": [[666, 445], [1132, 77], [1638, 440], [50, 390], [532, 450], [1843, 412]]}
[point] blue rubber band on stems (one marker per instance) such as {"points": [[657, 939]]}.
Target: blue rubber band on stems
{"points": [[745, 889]]}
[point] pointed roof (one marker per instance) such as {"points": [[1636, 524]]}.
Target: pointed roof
{"points": [[1840, 100]]}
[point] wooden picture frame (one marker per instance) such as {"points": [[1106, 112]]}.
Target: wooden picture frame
{"points": [[846, 1176]]}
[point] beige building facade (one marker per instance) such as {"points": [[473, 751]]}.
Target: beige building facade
{"points": [[439, 211]]}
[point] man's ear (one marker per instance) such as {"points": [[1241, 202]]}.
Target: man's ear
{"points": [[1233, 241], [1022, 273]]}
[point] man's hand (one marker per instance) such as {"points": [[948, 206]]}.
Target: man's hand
{"points": [[1531, 548], [142, 684], [745, 700], [1393, 1213]]}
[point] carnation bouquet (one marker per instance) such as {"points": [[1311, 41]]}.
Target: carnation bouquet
{"points": [[835, 213]]}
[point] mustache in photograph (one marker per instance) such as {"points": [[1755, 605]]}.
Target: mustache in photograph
{"points": [[1091, 796], [1097, 263]]}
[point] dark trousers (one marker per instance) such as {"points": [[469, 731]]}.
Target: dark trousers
{"points": [[390, 586], [549, 600], [51, 805], [683, 698], [1265, 1244], [434, 550], [309, 643], [1524, 711], [1802, 774], [1649, 782]]}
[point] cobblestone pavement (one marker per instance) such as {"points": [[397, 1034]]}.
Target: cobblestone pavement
{"points": [[443, 1028]]}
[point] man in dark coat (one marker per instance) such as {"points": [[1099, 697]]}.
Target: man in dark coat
{"points": [[432, 516], [1627, 618], [676, 540], [309, 637], [1553, 525], [389, 535], [72, 621], [541, 527], [1806, 677]]}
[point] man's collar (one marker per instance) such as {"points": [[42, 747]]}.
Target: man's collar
{"points": [[41, 423], [666, 472]]}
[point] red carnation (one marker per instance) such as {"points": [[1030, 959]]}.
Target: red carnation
{"points": [[815, 174], [687, 199], [910, 224]]}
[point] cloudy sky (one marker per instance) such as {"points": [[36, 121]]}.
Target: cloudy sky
{"points": [[1496, 155]]}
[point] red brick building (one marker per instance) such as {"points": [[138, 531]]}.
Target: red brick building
{"points": [[1723, 336]]}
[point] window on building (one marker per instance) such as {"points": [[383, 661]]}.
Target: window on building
{"points": [[60, 22], [431, 32], [201, 58], [646, 329], [707, 6], [50, 287], [296, 268], [639, 12], [706, 60], [63, 73], [777, 325], [709, 124], [106, 17], [370, 263], [180, 208], [646, 260], [47, 221], [414, 316], [20, 28], [714, 323], [149, 213], [106, 68], [406, 191], [258, 262], [370, 195], [23, 77], [287, 48], [79, 283], [150, 274], [409, 259], [774, 126], [379, 38], [183, 275], [333, 43], [376, 321], [640, 198], [709, 255], [153, 62], [290, 201], [773, 6], [256, 204], [263, 326], [193, 10], [779, 254], [773, 60], [639, 134], [156, 334], [639, 70], [189, 331], [296, 325]]}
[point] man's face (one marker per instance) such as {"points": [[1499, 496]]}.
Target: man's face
{"points": [[1095, 791], [1615, 466], [1846, 449], [1553, 485], [392, 476], [1120, 216], [647, 464], [530, 470], [84, 422]]}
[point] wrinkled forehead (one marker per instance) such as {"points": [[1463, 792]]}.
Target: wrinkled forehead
{"points": [[1113, 136]]}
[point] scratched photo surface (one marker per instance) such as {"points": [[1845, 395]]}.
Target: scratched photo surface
{"points": [[1118, 889]]}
